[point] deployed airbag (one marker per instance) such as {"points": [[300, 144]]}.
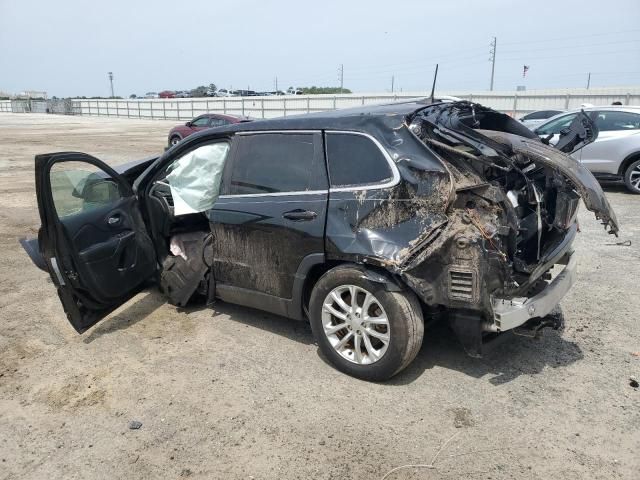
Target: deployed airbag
{"points": [[195, 178]]}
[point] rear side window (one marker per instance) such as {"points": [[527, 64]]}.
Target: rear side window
{"points": [[274, 163], [608, 121], [217, 122], [541, 115], [355, 160]]}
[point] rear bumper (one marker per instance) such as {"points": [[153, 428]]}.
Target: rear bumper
{"points": [[512, 313]]}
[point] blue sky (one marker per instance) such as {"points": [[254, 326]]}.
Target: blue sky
{"points": [[67, 47]]}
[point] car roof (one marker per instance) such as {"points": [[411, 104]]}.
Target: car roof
{"points": [[221, 115], [620, 108], [363, 118]]}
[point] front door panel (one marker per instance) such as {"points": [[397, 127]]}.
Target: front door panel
{"points": [[92, 238]]}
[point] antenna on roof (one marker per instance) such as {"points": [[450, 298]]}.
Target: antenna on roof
{"points": [[433, 88]]}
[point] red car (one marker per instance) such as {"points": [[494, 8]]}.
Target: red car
{"points": [[202, 122]]}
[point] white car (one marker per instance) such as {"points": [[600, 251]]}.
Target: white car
{"points": [[615, 155], [533, 119]]}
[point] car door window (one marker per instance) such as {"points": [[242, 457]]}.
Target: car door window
{"points": [[275, 163], [217, 122], [355, 160], [536, 116], [200, 122], [608, 121], [557, 125], [78, 187]]}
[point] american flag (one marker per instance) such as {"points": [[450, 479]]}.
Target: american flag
{"points": [[525, 69]]}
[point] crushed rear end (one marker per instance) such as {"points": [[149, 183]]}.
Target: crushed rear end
{"points": [[503, 259]]}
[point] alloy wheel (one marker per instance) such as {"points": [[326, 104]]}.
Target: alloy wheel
{"points": [[634, 177], [356, 324]]}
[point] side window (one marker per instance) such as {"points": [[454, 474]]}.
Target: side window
{"points": [[355, 160], [608, 121], [217, 122], [557, 125], [200, 122], [79, 187], [536, 116], [274, 162]]}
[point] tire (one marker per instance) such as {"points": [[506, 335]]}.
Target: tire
{"points": [[377, 360], [174, 140], [632, 177]]}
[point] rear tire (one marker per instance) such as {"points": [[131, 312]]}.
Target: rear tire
{"points": [[391, 322], [632, 177]]}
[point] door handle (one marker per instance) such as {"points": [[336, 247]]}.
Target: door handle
{"points": [[299, 215], [112, 221]]}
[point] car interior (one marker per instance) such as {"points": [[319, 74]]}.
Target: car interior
{"points": [[177, 201]]}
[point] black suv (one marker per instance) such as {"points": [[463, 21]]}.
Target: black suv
{"points": [[363, 221]]}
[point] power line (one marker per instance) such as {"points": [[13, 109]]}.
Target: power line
{"points": [[562, 47], [554, 39], [613, 52]]}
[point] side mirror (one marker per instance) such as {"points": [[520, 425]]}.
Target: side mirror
{"points": [[188, 124]]}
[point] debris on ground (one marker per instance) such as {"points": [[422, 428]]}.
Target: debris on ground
{"points": [[134, 425]]}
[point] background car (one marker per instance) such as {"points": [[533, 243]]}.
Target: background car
{"points": [[202, 122], [534, 119], [615, 155]]}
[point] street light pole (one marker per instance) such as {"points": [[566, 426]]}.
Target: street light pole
{"points": [[111, 81]]}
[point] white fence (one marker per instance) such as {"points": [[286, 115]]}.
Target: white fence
{"points": [[514, 103]]}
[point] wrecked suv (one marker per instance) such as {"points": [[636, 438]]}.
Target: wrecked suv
{"points": [[366, 222]]}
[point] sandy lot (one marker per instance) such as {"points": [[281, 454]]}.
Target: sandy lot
{"points": [[234, 393]]}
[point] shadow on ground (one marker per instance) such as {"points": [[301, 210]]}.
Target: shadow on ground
{"points": [[503, 361], [134, 313]]}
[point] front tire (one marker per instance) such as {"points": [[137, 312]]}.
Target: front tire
{"points": [[363, 329], [632, 177], [174, 140]]}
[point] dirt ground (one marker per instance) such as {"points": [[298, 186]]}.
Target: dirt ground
{"points": [[233, 393]]}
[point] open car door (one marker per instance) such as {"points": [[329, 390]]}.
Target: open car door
{"points": [[92, 239]]}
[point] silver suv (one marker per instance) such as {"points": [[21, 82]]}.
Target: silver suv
{"points": [[615, 154]]}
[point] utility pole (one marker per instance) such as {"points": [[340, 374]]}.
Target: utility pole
{"points": [[341, 76], [276, 84], [492, 59], [111, 81], [393, 78], [588, 80]]}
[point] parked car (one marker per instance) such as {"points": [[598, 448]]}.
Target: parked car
{"points": [[533, 119], [363, 221], [202, 122], [151, 95], [167, 94], [615, 155], [223, 92]]}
